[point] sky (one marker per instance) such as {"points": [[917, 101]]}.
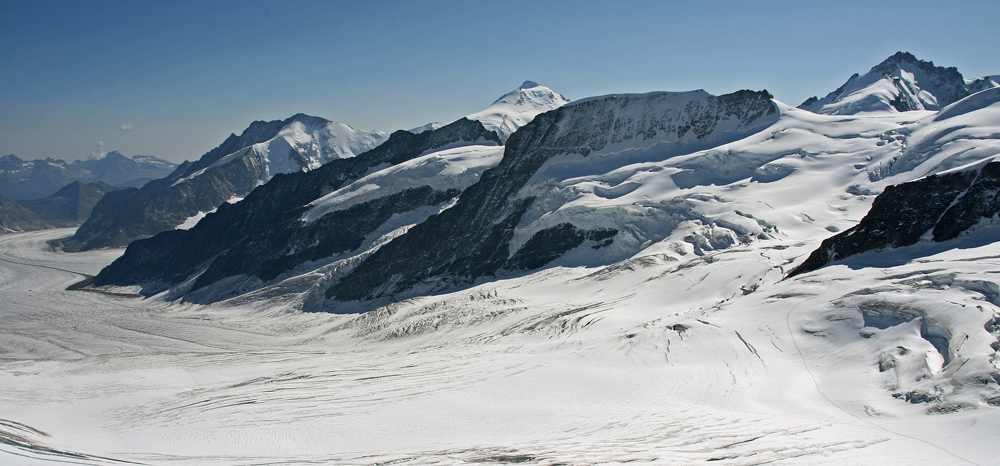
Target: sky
{"points": [[174, 79]]}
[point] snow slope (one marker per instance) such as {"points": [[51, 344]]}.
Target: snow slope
{"points": [[652, 361], [303, 144], [451, 168]]}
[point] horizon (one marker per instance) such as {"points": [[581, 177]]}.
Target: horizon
{"points": [[174, 80]]}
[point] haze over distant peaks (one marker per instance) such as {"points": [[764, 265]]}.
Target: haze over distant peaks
{"points": [[900, 83], [34, 179]]}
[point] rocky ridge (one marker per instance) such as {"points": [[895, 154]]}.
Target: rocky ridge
{"points": [[900, 83], [229, 171], [263, 235]]}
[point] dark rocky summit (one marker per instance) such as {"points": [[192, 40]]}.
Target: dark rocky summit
{"points": [[938, 208]]}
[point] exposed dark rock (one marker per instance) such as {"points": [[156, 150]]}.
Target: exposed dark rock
{"points": [[472, 239], [14, 217], [71, 205], [164, 203], [944, 205], [265, 230], [550, 244]]}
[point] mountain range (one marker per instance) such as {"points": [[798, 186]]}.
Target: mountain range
{"points": [[658, 278], [35, 179], [732, 195], [592, 182]]}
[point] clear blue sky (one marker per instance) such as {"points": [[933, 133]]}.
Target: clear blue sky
{"points": [[180, 76]]}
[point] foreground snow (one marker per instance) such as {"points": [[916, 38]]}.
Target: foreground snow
{"points": [[650, 361]]}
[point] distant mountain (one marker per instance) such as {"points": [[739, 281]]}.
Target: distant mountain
{"points": [[71, 205], [900, 83], [228, 172], [14, 217], [35, 179], [514, 110]]}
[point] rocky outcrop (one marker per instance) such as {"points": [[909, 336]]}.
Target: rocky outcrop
{"points": [[935, 208], [263, 234]]}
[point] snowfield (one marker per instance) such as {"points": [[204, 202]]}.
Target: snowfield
{"points": [[648, 361], [680, 342]]}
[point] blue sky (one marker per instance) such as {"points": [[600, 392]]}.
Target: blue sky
{"points": [[173, 79]]}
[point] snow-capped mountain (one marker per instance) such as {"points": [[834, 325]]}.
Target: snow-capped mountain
{"points": [[517, 217], [231, 170], [518, 107], [318, 215], [900, 83], [35, 179], [514, 110], [665, 278]]}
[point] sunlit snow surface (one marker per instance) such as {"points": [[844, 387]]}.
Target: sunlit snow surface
{"points": [[688, 348], [652, 361]]}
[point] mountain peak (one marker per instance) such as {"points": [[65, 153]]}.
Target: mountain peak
{"points": [[899, 83], [518, 107]]}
